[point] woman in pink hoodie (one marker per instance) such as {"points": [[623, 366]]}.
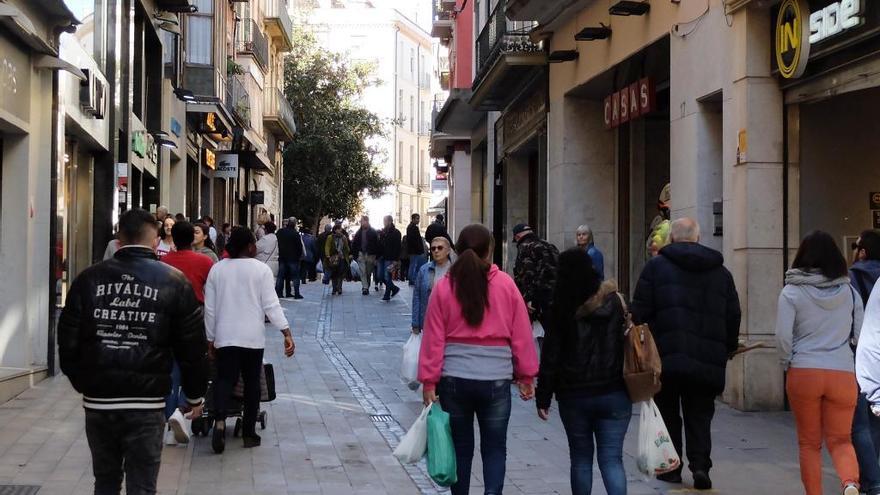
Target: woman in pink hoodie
{"points": [[476, 341]]}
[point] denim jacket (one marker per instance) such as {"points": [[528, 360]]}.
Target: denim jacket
{"points": [[422, 293]]}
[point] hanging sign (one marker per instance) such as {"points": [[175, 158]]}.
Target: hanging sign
{"points": [[634, 101], [227, 166]]}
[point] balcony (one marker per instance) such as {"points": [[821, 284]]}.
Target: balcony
{"points": [[238, 101], [279, 26], [278, 115], [507, 59], [253, 42], [442, 20]]}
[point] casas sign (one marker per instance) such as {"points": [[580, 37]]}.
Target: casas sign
{"points": [[630, 103], [798, 29]]}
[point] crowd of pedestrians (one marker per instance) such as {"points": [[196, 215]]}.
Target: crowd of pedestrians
{"points": [[142, 333]]}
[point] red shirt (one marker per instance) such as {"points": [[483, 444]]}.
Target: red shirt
{"points": [[195, 266]]}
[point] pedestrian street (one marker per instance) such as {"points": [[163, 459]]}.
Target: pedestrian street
{"points": [[340, 410]]}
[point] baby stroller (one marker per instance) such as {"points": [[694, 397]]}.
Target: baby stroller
{"points": [[201, 426]]}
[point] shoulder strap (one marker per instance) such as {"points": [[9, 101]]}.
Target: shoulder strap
{"points": [[627, 316], [852, 330]]}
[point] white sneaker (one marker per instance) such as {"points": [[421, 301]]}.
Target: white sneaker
{"points": [[169, 437], [177, 422], [851, 489]]}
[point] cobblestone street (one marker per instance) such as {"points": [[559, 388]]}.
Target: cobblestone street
{"points": [[340, 410]]}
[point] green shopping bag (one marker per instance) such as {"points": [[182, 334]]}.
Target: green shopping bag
{"points": [[441, 453]]}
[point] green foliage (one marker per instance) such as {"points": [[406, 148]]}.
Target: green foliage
{"points": [[330, 166]]}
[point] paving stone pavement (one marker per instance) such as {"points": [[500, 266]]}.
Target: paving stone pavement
{"points": [[340, 410]]}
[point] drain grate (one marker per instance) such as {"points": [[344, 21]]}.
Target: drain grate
{"points": [[376, 418], [19, 490]]}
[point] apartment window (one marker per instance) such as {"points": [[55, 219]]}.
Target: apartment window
{"points": [[412, 63], [412, 112], [400, 106], [200, 33], [400, 161], [412, 164], [424, 119]]}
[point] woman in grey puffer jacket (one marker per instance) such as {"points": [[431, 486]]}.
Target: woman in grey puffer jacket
{"points": [[819, 316]]}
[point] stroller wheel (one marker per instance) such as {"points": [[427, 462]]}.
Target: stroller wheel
{"points": [[236, 432], [263, 420]]}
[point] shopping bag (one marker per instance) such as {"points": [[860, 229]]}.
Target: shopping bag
{"points": [[641, 359], [409, 368], [413, 445], [267, 385], [656, 452], [442, 467], [538, 335], [319, 268]]}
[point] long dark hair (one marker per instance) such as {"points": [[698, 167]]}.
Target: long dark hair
{"points": [[469, 274], [239, 241], [819, 252], [207, 232], [576, 281]]}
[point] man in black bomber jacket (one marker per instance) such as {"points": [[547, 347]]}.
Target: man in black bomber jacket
{"points": [[124, 323]]}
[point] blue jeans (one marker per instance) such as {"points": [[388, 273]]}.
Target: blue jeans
{"points": [[176, 399], [288, 271], [385, 276], [866, 440], [607, 418], [490, 401], [415, 264]]}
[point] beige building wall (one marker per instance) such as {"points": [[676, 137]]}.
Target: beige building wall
{"points": [[721, 89]]}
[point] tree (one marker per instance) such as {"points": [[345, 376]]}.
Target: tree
{"points": [[330, 165]]}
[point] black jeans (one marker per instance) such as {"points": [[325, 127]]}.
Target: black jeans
{"points": [[232, 362], [677, 399], [491, 402], [125, 442]]}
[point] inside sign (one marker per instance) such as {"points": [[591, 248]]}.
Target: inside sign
{"points": [[835, 19]]}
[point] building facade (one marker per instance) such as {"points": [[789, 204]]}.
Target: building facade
{"points": [[760, 125], [403, 55]]}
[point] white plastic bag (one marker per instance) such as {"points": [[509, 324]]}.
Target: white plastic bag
{"points": [[414, 444], [656, 453], [409, 368], [538, 336]]}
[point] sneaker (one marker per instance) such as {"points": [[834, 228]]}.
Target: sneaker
{"points": [[251, 441], [365, 292], [169, 437], [702, 481], [298, 296], [177, 424], [671, 477], [394, 291], [851, 489], [218, 440], [386, 297]]}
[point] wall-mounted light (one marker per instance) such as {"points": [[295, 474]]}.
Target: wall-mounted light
{"points": [[166, 143], [560, 56], [184, 94], [171, 28], [186, 9], [165, 16], [594, 33], [629, 7]]}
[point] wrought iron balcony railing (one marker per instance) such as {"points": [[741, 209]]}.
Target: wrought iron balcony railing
{"points": [[238, 100], [500, 37], [254, 42], [278, 113]]}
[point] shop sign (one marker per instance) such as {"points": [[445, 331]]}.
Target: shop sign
{"points": [[211, 121], [257, 197], [439, 185], [210, 159], [524, 118], [93, 94], [630, 103], [15, 80], [139, 143], [799, 29], [875, 200], [227, 166], [175, 127]]}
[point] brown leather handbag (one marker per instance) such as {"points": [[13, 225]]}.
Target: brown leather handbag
{"points": [[641, 360]]}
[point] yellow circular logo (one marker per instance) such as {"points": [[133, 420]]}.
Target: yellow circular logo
{"points": [[792, 38]]}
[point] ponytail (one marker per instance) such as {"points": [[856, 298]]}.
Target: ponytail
{"points": [[469, 274]]}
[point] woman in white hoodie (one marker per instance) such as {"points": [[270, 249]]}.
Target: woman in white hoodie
{"points": [[239, 292], [819, 318]]}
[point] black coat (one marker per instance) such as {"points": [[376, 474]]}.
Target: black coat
{"points": [[126, 320], [414, 242], [373, 246], [689, 301], [290, 245], [436, 229], [583, 350], [391, 244]]}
